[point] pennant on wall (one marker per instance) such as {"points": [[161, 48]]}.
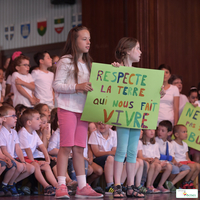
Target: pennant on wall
{"points": [[59, 24], [25, 30], [42, 27], [9, 32]]}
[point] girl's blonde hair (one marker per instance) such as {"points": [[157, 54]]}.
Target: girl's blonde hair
{"points": [[144, 138]]}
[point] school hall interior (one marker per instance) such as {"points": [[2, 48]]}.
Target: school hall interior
{"points": [[168, 32]]}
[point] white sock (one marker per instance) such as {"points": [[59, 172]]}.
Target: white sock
{"points": [[4, 183], [61, 180], [81, 181]]}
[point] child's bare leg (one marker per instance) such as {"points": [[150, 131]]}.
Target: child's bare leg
{"points": [[172, 177], [180, 176], [89, 171], [150, 174], [196, 172], [108, 169], [54, 169], [139, 173], [38, 175], [192, 171], [165, 174], [29, 170], [18, 171], [62, 160], [156, 172], [131, 169], [2, 169], [8, 175], [124, 174], [78, 160], [49, 175], [118, 167], [97, 172]]}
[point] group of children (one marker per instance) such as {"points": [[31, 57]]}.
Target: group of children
{"points": [[34, 140]]}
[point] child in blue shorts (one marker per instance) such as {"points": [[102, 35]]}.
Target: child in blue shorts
{"points": [[179, 171]]}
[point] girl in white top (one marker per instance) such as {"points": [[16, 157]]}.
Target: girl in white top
{"points": [[177, 81], [150, 153], [71, 85], [169, 103], [22, 83]]}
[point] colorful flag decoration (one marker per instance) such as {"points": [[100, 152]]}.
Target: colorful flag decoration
{"points": [[25, 30], [59, 24], [42, 27]]}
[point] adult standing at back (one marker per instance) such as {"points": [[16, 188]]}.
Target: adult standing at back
{"points": [[177, 81], [169, 103]]}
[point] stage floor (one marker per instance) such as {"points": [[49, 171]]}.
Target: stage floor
{"points": [[169, 196]]}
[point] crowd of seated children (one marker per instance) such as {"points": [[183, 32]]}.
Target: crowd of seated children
{"points": [[179, 171], [150, 153], [10, 147], [29, 142], [155, 154]]}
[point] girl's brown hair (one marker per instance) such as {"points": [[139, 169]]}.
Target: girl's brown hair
{"points": [[152, 140], [71, 48], [54, 120], [124, 45]]}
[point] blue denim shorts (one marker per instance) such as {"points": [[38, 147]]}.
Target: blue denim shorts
{"points": [[177, 170]]}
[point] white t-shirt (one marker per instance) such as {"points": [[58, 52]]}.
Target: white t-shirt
{"points": [[166, 109], [180, 151], [54, 141], [96, 138], [182, 101], [162, 147], [43, 86], [9, 140], [150, 150], [28, 140], [139, 147], [8, 81], [18, 97], [64, 85]]}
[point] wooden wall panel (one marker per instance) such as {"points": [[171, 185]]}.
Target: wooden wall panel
{"points": [[168, 31], [105, 19], [178, 38]]}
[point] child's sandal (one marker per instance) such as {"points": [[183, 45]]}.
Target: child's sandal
{"points": [[118, 193], [136, 193], [142, 189]]}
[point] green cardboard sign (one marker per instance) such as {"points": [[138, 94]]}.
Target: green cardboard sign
{"points": [[190, 117], [124, 96]]}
